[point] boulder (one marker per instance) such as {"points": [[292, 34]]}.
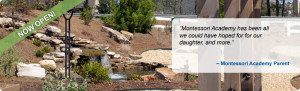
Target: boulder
{"points": [[30, 70], [76, 51], [48, 56], [53, 31], [135, 57], [42, 37], [82, 42], [116, 35], [48, 64], [58, 54], [110, 53], [6, 22], [19, 24], [164, 73], [59, 60], [127, 34], [117, 56], [56, 41]]}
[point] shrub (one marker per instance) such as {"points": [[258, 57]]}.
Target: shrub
{"points": [[104, 7], [41, 52], [51, 84], [133, 15], [87, 15], [95, 72], [8, 63], [46, 49], [37, 42], [135, 77]]}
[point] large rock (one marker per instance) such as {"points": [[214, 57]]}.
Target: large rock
{"points": [[110, 53], [76, 51], [53, 31], [48, 56], [42, 37], [31, 70], [127, 34], [19, 24], [6, 22], [116, 35], [82, 42], [48, 64], [56, 41], [164, 73], [58, 54]]}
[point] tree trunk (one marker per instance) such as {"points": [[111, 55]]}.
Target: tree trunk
{"points": [[283, 7], [268, 8], [277, 7]]}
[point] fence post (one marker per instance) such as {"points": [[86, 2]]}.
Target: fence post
{"points": [[232, 81], [208, 9], [257, 14]]}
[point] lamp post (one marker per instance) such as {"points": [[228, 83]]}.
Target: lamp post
{"points": [[68, 43]]}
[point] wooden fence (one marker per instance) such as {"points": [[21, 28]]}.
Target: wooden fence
{"points": [[232, 9]]}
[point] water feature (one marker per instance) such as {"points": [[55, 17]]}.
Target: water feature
{"points": [[114, 76]]}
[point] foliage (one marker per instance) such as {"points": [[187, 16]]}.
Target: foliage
{"points": [[87, 15], [222, 10], [41, 52], [135, 77], [40, 6], [46, 49], [95, 72], [37, 42], [133, 15], [8, 63], [51, 84], [104, 7]]}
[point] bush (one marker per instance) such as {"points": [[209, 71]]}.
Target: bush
{"points": [[133, 15], [46, 49], [8, 63], [37, 42], [95, 72], [87, 15], [62, 85], [41, 52], [104, 7]]}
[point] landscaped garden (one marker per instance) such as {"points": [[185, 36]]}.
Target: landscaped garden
{"points": [[130, 49]]}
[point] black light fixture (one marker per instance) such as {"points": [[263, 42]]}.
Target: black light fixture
{"points": [[68, 43], [68, 40]]}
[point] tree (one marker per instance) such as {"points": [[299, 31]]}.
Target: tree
{"points": [[133, 15], [87, 15], [104, 7]]}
